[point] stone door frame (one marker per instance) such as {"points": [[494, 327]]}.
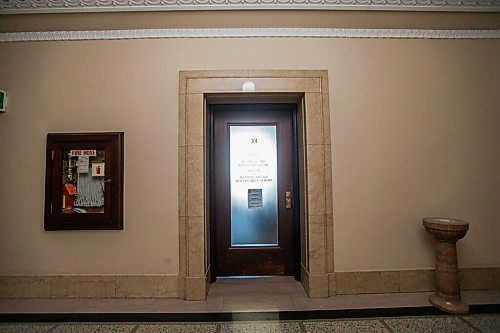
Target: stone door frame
{"points": [[309, 88]]}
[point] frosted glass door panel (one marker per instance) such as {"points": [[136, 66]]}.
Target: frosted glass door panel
{"points": [[254, 191]]}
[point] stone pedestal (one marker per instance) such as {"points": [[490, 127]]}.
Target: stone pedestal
{"points": [[446, 232]]}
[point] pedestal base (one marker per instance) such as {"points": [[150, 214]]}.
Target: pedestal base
{"points": [[453, 305]]}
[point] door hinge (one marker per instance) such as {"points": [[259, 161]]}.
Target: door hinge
{"points": [[52, 155], [51, 208]]}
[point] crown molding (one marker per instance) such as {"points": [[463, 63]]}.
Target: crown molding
{"points": [[247, 33], [61, 6]]}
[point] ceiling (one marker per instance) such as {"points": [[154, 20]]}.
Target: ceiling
{"points": [[65, 6]]}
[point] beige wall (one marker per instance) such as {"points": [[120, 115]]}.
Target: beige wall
{"points": [[414, 130]]}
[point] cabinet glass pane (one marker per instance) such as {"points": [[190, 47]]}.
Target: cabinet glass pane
{"points": [[83, 181], [254, 191]]}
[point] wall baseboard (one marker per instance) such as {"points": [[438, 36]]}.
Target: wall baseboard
{"points": [[406, 281], [166, 286], [88, 286]]}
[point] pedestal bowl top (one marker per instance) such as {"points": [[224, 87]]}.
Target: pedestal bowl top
{"points": [[446, 228]]}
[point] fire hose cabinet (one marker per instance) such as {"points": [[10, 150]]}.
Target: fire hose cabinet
{"points": [[84, 181]]}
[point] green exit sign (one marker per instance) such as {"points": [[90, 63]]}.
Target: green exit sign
{"points": [[3, 100]]}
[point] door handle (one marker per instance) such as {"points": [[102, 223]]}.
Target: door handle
{"points": [[288, 199]]}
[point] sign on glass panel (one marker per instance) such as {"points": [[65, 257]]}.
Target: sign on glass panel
{"points": [[253, 175]]}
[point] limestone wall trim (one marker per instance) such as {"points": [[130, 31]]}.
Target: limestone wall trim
{"points": [[308, 86], [165, 286], [419, 280], [88, 286]]}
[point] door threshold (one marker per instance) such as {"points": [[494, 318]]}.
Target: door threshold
{"points": [[247, 276], [254, 279]]}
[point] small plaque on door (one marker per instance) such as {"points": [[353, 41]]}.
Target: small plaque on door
{"points": [[254, 198]]}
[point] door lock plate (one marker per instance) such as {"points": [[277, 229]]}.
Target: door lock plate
{"points": [[288, 199]]}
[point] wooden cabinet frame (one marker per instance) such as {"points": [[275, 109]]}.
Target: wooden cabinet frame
{"points": [[112, 216]]}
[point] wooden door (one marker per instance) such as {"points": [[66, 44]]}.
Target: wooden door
{"points": [[254, 189]]}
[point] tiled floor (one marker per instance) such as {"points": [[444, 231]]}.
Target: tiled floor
{"points": [[432, 324], [261, 295]]}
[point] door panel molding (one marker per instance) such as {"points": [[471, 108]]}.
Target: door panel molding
{"points": [[310, 89]]}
